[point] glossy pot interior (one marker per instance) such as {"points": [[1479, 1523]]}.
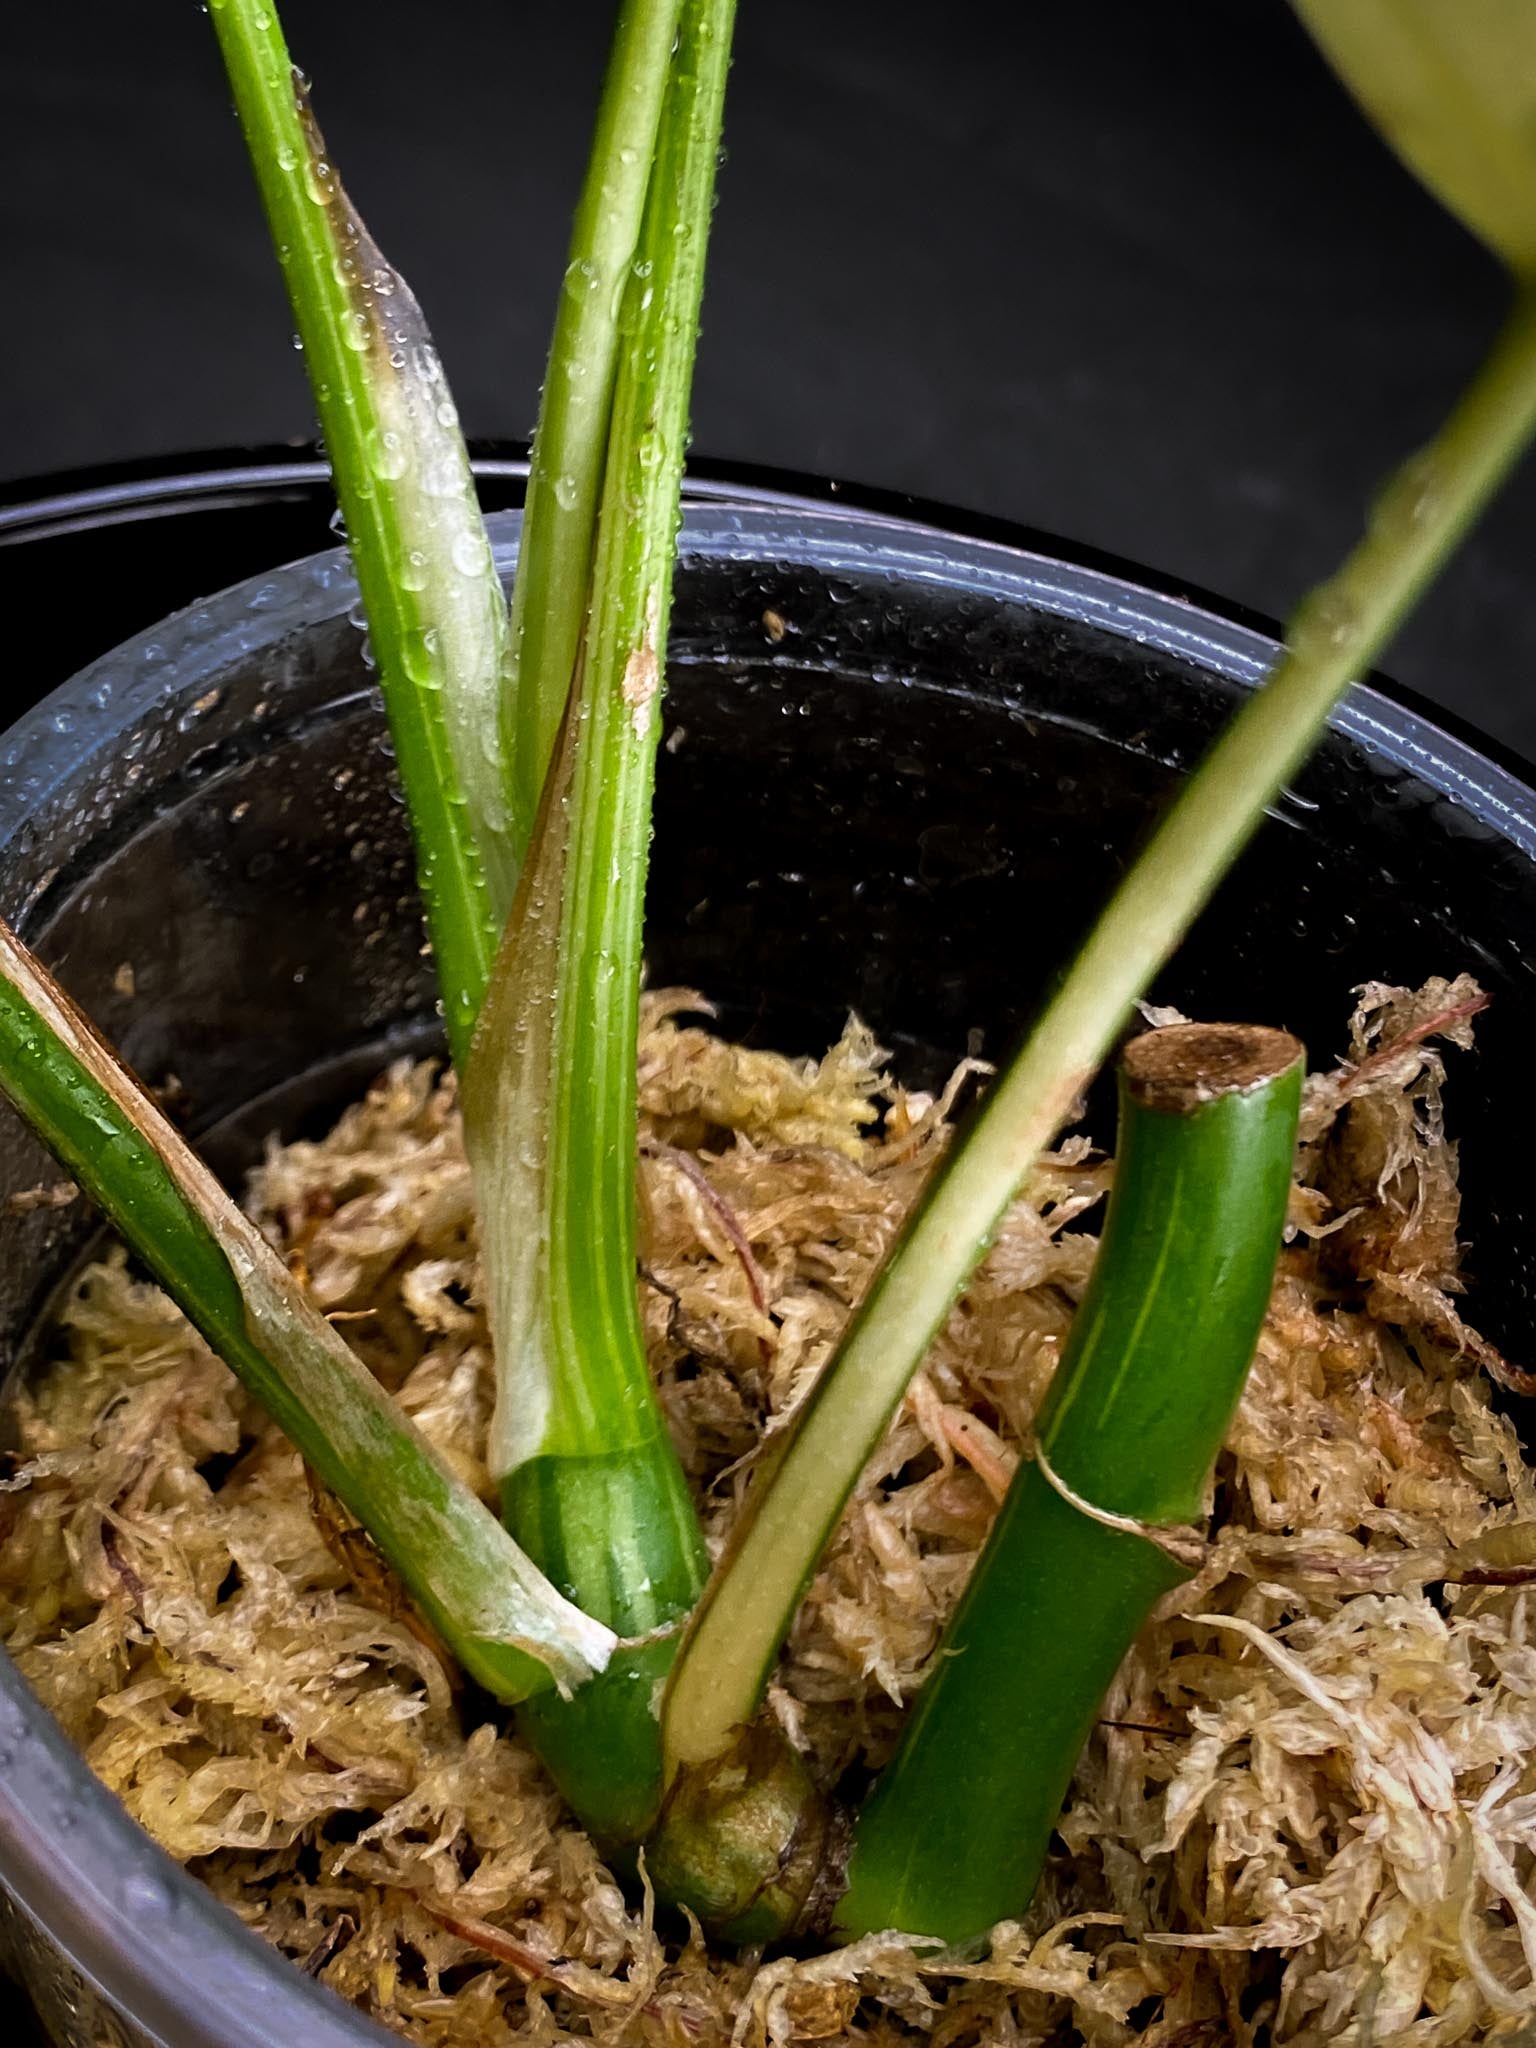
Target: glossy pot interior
{"points": [[903, 768]]}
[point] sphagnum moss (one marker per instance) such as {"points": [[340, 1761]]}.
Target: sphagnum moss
{"points": [[240, 1674]]}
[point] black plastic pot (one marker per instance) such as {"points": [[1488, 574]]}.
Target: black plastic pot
{"points": [[904, 765]]}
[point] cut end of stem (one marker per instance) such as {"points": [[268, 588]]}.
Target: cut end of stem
{"points": [[436, 616], [956, 1832], [1181, 1067], [747, 1843]]}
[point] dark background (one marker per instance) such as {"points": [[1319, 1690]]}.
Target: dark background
{"points": [[1133, 273]]}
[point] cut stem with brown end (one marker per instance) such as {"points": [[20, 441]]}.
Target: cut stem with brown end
{"points": [[1093, 1531]]}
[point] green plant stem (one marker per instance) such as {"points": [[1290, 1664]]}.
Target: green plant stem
{"points": [[436, 617], [503, 1621], [590, 1481], [719, 1677], [954, 1835], [554, 564], [746, 1843]]}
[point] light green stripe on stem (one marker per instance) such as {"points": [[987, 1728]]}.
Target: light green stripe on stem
{"points": [[955, 1833], [504, 1622], [590, 1482], [436, 617], [554, 565], [735, 1636]]}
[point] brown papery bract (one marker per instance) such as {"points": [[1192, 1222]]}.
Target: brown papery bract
{"points": [[1304, 1816]]}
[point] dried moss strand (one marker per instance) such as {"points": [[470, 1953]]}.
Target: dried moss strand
{"points": [[436, 616], [1345, 1745], [508, 1627], [954, 1835], [554, 564], [1335, 636]]}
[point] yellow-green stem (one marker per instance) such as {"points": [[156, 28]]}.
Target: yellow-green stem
{"points": [[735, 1635]]}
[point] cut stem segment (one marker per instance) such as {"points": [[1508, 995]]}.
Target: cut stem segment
{"points": [[503, 1621], [570, 443], [735, 1637], [955, 1833], [590, 1481], [436, 616]]}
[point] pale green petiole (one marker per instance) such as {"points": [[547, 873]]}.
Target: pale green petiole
{"points": [[504, 1622], [735, 1635]]}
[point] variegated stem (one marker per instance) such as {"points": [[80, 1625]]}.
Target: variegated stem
{"points": [[506, 1624], [436, 616], [570, 443], [590, 1482]]}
